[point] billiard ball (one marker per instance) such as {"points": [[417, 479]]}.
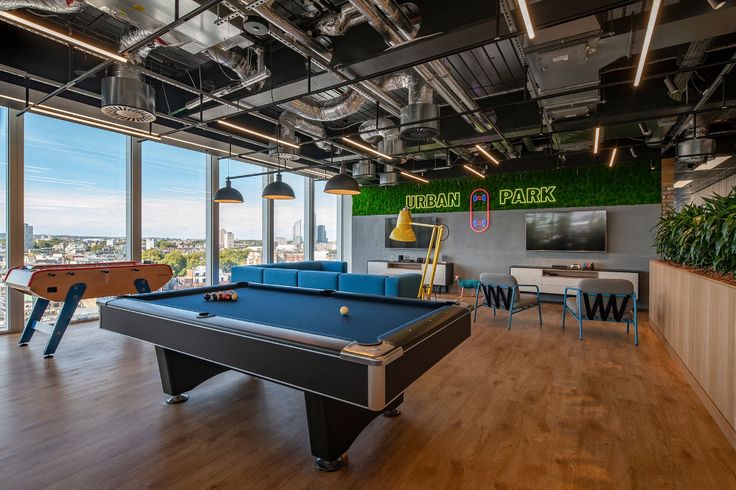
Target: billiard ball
{"points": [[344, 310], [206, 296], [234, 296]]}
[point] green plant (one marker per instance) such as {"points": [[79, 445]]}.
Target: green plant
{"points": [[702, 236]]}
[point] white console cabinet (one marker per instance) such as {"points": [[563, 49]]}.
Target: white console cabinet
{"points": [[554, 281]]}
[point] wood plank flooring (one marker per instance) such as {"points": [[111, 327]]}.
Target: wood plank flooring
{"points": [[526, 408]]}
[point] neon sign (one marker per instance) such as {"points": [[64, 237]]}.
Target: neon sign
{"points": [[527, 195], [480, 224], [430, 201]]}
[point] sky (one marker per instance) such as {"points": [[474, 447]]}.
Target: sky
{"points": [[75, 185]]}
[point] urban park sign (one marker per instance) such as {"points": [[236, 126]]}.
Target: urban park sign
{"points": [[521, 195]]}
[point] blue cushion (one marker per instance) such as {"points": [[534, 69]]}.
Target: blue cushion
{"points": [[318, 280], [248, 273], [309, 265], [362, 283], [281, 277], [334, 266], [284, 265], [403, 285]]}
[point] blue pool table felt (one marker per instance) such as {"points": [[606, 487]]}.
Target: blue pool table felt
{"points": [[368, 320]]}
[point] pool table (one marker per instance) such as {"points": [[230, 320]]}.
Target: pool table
{"points": [[351, 367]]}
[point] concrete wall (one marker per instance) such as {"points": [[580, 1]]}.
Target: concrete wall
{"points": [[630, 240]]}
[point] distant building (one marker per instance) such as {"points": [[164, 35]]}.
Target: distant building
{"points": [[321, 234], [27, 236], [227, 239], [150, 243], [296, 233]]}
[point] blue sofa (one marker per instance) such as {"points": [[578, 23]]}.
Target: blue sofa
{"points": [[325, 274]]}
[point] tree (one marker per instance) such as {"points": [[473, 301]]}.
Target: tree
{"points": [[195, 259], [176, 260], [165, 244], [230, 257], [152, 255]]}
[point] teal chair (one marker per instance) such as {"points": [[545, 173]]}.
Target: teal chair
{"points": [[606, 300], [501, 291]]}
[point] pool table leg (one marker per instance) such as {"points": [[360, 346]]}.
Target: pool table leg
{"points": [[180, 373], [334, 425]]}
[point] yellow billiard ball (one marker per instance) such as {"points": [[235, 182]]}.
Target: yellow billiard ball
{"points": [[344, 310]]}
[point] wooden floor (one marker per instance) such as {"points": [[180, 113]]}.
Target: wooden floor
{"points": [[529, 408]]}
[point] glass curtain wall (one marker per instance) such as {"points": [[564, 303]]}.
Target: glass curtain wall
{"points": [[325, 223], [241, 225], [173, 211], [288, 223], [74, 202]]}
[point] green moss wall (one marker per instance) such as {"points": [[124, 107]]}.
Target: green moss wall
{"points": [[634, 183]]}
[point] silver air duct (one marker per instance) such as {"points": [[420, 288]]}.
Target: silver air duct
{"points": [[385, 135], [290, 123], [364, 171], [125, 95], [419, 108], [246, 72], [327, 110], [54, 6], [696, 149], [338, 23]]}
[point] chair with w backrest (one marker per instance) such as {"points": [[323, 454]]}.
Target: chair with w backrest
{"points": [[501, 291], [607, 300]]}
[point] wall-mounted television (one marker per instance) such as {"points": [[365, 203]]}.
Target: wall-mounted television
{"points": [[423, 233], [566, 231]]}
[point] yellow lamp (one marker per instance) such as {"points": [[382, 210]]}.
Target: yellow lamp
{"points": [[404, 232]]}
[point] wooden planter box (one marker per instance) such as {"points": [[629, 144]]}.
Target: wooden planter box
{"points": [[696, 317]]}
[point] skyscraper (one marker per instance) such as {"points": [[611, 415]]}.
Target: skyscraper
{"points": [[296, 233], [27, 236], [321, 234]]}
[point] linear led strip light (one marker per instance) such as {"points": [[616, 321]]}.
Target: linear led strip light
{"points": [[527, 19], [367, 148], [486, 154], [647, 40], [256, 133], [474, 171], [58, 36], [613, 157], [415, 177], [596, 139], [92, 121]]}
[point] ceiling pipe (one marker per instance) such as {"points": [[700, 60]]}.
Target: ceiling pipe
{"points": [[298, 40], [383, 133], [290, 122], [53, 6], [327, 110], [707, 93], [337, 24], [433, 72], [248, 74]]}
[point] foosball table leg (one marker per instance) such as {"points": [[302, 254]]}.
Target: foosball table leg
{"points": [[39, 307], [141, 285], [73, 297]]}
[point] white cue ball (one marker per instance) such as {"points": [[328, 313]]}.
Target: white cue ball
{"points": [[344, 310]]}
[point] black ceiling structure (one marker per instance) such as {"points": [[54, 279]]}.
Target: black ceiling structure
{"points": [[344, 73]]}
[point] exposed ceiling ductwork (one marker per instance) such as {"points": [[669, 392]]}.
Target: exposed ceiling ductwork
{"points": [[383, 133], [337, 24], [53, 6], [248, 73], [289, 123], [419, 108], [125, 95], [327, 110]]}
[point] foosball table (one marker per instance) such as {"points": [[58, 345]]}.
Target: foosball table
{"points": [[71, 283]]}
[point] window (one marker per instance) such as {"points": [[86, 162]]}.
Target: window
{"points": [[174, 211], [288, 223], [75, 197], [241, 225], [325, 223], [3, 214]]}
